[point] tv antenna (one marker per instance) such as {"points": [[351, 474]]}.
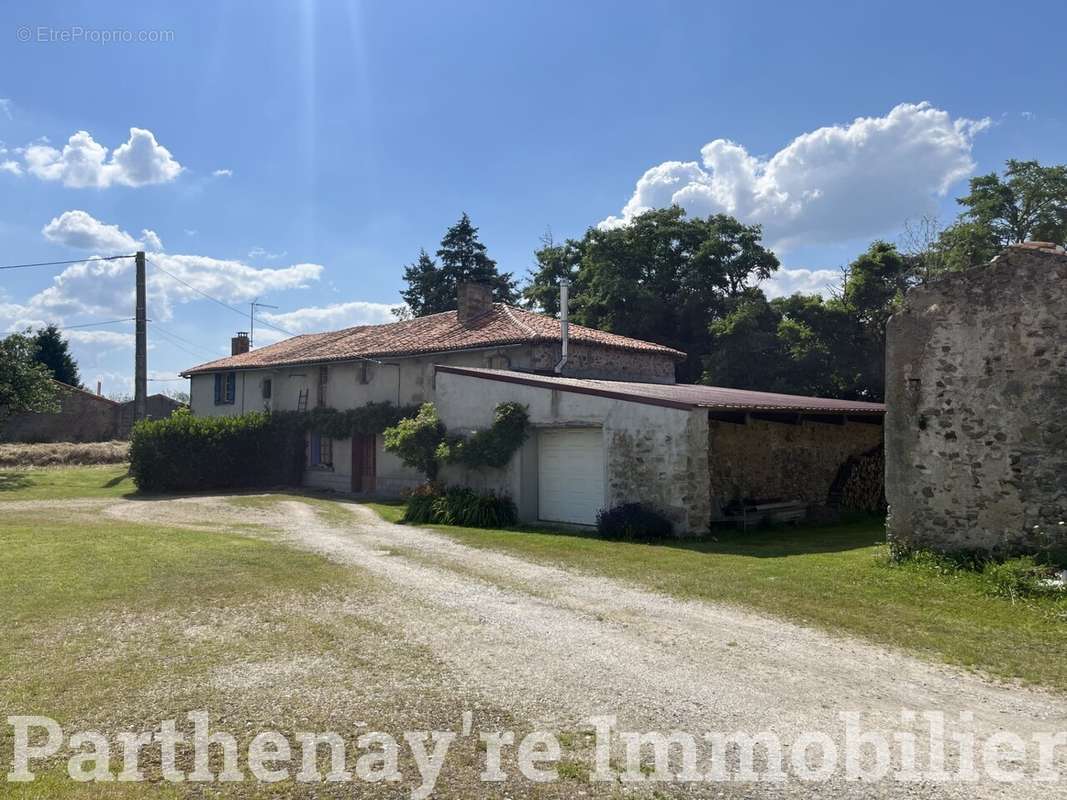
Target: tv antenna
{"points": [[252, 319]]}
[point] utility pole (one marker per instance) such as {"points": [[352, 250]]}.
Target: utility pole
{"points": [[252, 320], [140, 366]]}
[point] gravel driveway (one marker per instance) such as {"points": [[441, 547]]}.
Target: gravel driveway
{"points": [[556, 647]]}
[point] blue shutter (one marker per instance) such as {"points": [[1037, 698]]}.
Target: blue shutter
{"points": [[316, 449], [231, 387], [218, 388]]}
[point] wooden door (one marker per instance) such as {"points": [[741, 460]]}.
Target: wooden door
{"points": [[363, 464]]}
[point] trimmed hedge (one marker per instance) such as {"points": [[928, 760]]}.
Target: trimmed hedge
{"points": [[184, 453], [634, 522]]}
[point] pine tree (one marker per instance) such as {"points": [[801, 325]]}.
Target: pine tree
{"points": [[53, 351], [432, 287], [426, 293]]}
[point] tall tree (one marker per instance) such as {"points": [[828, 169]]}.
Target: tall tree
{"points": [[53, 351], [801, 344], [426, 292], [1028, 202], [663, 278], [25, 383], [463, 258]]}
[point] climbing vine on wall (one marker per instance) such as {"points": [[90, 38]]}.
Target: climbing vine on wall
{"points": [[492, 447], [422, 442], [368, 420]]}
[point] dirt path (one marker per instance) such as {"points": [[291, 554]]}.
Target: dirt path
{"points": [[558, 647]]}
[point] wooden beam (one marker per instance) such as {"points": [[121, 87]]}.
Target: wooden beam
{"points": [[734, 417], [825, 419], [785, 418], [866, 419]]}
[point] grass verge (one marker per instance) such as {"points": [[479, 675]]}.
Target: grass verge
{"points": [[838, 578], [65, 483]]}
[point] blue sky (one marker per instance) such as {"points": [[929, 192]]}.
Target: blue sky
{"points": [[304, 152]]}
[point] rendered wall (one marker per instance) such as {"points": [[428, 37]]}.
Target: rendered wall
{"points": [[652, 454]]}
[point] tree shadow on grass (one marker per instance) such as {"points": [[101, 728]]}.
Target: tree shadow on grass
{"points": [[776, 542], [13, 481], [116, 480]]}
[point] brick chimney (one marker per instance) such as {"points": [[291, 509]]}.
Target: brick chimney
{"points": [[239, 343], [475, 299]]}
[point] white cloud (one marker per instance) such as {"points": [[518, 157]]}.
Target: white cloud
{"points": [[81, 230], [8, 164], [785, 282], [833, 184], [151, 240], [257, 253], [105, 289], [223, 173], [108, 340], [83, 162], [332, 317]]}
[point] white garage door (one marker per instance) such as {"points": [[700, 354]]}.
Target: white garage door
{"points": [[570, 475]]}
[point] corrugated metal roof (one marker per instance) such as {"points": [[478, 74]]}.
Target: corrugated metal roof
{"points": [[436, 333], [677, 395]]}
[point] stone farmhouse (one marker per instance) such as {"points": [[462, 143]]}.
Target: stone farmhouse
{"points": [[976, 386], [610, 425]]}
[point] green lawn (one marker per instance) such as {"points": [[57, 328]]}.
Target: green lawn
{"points": [[837, 578], [65, 483]]}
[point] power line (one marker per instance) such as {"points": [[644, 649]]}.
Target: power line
{"points": [[216, 300], [275, 327], [172, 334], [57, 263], [94, 324], [176, 341]]}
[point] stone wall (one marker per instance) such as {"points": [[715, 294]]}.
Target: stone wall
{"points": [[764, 460], [83, 417], [605, 363], [976, 388]]}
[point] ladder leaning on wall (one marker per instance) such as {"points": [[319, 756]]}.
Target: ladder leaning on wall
{"points": [[302, 400]]}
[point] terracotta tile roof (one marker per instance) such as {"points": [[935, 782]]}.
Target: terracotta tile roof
{"points": [[677, 395], [436, 333]]}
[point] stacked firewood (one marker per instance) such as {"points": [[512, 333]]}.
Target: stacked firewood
{"points": [[864, 486]]}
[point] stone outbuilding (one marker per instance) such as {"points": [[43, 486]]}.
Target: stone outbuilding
{"points": [[976, 390], [84, 417], [699, 454]]}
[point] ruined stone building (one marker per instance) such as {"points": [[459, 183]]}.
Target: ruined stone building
{"points": [[976, 396]]}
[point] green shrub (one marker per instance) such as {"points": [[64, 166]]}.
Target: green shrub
{"points": [[494, 446], [1018, 578], [185, 453], [416, 439], [460, 506], [633, 522]]}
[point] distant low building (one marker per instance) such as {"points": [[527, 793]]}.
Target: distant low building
{"points": [[83, 417]]}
